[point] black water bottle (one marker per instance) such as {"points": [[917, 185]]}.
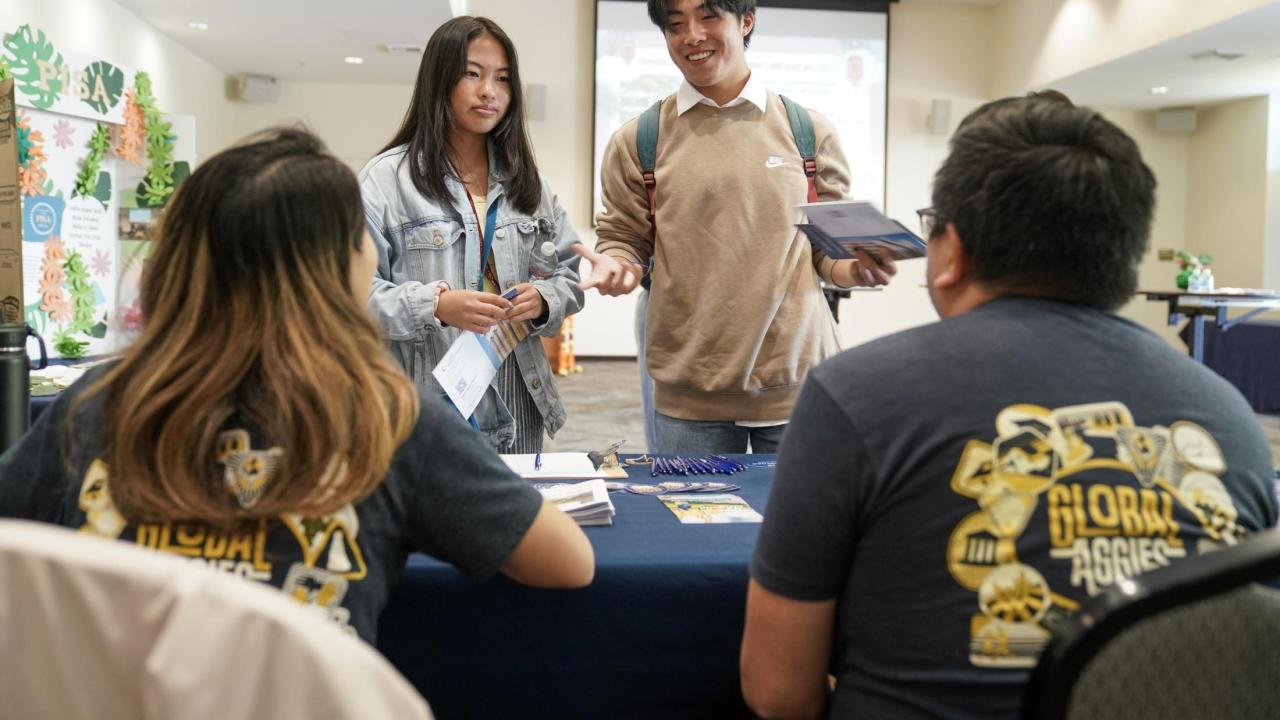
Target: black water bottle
{"points": [[15, 382]]}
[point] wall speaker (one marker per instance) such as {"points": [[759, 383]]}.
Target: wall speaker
{"points": [[535, 102], [939, 120], [1176, 120], [253, 88]]}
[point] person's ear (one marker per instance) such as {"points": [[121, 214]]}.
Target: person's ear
{"points": [[952, 263], [748, 22]]}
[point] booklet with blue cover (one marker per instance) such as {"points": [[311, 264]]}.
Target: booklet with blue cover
{"points": [[839, 227]]}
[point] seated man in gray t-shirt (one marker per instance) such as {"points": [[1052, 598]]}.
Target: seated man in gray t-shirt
{"points": [[946, 496]]}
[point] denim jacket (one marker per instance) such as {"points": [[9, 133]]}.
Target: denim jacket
{"points": [[421, 243]]}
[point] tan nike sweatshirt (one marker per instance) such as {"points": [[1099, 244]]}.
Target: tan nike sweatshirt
{"points": [[736, 316]]}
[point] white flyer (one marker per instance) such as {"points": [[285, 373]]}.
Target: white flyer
{"points": [[466, 371], [472, 362]]}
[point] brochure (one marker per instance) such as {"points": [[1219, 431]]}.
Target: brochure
{"points": [[842, 226], [472, 361], [587, 503], [710, 509]]}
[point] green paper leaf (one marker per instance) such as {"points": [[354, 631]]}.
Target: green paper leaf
{"points": [[112, 83], [103, 192], [29, 50]]}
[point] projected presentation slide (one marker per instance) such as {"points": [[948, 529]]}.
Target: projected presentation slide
{"points": [[830, 61]]}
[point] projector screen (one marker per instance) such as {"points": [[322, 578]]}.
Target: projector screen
{"points": [[831, 61]]}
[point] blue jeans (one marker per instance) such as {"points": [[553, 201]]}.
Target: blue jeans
{"points": [[700, 437], [646, 382]]}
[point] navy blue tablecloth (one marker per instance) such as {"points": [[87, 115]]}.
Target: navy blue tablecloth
{"points": [[656, 635], [43, 402], [1248, 356]]}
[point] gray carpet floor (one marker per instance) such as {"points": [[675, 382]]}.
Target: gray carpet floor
{"points": [[603, 405]]}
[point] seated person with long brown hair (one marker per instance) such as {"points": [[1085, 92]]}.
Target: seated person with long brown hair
{"points": [[259, 425]]}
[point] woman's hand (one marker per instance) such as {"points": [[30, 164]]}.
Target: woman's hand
{"points": [[471, 310], [527, 305]]}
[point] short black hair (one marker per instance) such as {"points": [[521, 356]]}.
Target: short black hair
{"points": [[1049, 199], [658, 10]]}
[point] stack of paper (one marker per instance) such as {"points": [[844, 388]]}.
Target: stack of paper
{"points": [[553, 466], [840, 227], [587, 502]]}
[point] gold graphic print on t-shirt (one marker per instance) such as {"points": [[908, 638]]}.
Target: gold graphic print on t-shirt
{"points": [[331, 556], [248, 471], [1106, 529]]}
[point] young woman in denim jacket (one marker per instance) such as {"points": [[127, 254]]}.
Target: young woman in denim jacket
{"points": [[461, 163]]}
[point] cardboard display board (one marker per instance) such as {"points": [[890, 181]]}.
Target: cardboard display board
{"points": [[10, 211]]}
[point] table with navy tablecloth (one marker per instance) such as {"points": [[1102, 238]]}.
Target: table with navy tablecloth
{"points": [[1248, 356], [655, 635]]}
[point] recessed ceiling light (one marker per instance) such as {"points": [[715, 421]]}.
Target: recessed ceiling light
{"points": [[353, 60], [1159, 90], [196, 25]]}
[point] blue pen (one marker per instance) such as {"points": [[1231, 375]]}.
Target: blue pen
{"points": [[537, 461]]}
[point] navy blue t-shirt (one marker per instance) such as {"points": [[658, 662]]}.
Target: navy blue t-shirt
{"points": [[446, 494], [962, 487]]}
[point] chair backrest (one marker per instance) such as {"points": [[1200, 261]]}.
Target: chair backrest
{"points": [[96, 628], [1198, 639]]}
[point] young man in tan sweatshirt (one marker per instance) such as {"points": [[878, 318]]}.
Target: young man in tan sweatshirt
{"points": [[736, 315]]}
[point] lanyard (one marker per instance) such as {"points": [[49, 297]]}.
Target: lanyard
{"points": [[486, 243]]}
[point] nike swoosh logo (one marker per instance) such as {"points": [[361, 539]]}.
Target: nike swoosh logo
{"points": [[774, 161]]}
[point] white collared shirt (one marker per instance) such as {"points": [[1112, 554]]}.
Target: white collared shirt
{"points": [[754, 92]]}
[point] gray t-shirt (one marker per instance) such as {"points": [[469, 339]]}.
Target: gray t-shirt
{"points": [[962, 487], [446, 494]]}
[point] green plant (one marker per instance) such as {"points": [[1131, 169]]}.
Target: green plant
{"points": [[158, 184], [87, 179], [4, 69], [1187, 260], [69, 347], [81, 293]]}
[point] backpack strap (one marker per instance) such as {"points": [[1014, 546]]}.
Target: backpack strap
{"points": [[647, 149], [802, 132]]}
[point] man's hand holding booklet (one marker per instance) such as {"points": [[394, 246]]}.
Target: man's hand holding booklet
{"points": [[838, 228]]}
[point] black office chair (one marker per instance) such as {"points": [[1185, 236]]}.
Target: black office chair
{"points": [[1197, 639]]}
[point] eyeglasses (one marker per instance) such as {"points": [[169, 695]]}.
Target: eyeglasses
{"points": [[928, 221]]}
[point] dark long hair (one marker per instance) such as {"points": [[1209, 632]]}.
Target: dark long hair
{"points": [[430, 117], [250, 314]]}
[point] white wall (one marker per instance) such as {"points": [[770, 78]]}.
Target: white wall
{"points": [[355, 121], [1038, 41], [183, 83], [1167, 156], [1271, 259], [936, 51], [1226, 190]]}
